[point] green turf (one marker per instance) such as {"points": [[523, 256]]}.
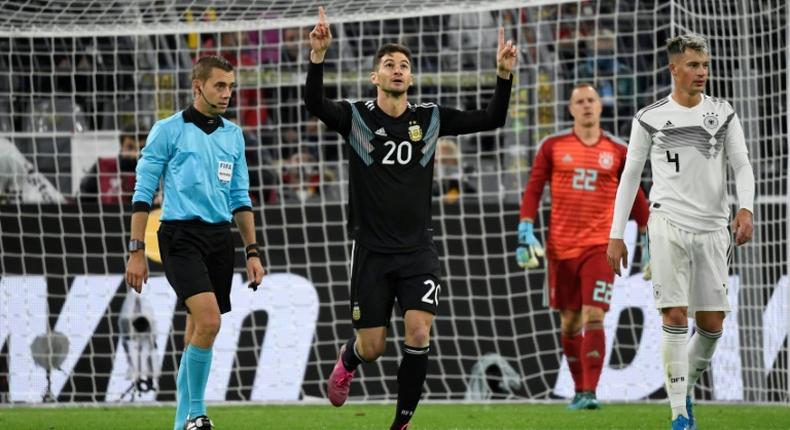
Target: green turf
{"points": [[428, 417]]}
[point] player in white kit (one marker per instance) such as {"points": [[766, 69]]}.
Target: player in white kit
{"points": [[689, 137]]}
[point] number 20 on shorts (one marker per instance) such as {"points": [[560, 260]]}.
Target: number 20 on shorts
{"points": [[432, 296]]}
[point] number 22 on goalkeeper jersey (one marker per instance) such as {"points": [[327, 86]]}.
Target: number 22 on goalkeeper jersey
{"points": [[583, 181]]}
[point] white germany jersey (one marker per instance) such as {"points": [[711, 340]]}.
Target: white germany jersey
{"points": [[688, 149]]}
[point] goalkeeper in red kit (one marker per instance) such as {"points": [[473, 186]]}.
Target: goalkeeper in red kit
{"points": [[583, 167]]}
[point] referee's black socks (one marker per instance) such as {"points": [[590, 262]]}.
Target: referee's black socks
{"points": [[411, 377]]}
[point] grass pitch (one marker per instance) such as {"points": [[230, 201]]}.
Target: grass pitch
{"points": [[378, 417]]}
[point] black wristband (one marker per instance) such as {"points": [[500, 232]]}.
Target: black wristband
{"points": [[253, 254], [252, 246]]}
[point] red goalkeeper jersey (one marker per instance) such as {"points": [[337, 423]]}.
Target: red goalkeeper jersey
{"points": [[583, 181]]}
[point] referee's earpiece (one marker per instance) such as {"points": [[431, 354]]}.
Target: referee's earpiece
{"points": [[200, 90]]}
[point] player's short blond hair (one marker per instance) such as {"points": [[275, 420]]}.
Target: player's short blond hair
{"points": [[678, 45], [584, 85]]}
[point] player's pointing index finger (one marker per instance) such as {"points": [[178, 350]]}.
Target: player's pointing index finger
{"points": [[321, 15], [501, 38]]}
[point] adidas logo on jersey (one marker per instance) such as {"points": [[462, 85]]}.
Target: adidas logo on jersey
{"points": [[669, 124], [567, 158], [381, 132]]}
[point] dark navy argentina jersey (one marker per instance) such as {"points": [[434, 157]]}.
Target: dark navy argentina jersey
{"points": [[390, 175], [391, 160]]}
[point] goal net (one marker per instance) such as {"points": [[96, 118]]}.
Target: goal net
{"points": [[76, 78]]}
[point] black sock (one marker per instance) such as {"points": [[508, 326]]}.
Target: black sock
{"points": [[350, 357], [411, 377]]}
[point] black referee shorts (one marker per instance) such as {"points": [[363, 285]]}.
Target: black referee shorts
{"points": [[198, 258], [377, 279]]}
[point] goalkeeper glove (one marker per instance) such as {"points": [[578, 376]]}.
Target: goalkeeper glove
{"points": [[529, 249], [644, 263]]}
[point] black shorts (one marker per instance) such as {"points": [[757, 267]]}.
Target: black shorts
{"points": [[378, 278], [198, 258]]}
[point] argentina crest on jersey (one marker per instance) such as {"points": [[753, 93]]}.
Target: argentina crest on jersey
{"points": [[415, 132]]}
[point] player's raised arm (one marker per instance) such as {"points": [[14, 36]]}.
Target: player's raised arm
{"points": [[454, 122], [320, 38], [506, 55], [337, 116]]}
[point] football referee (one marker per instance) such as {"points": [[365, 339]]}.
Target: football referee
{"points": [[200, 157]]}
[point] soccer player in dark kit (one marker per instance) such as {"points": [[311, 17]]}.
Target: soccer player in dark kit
{"points": [[391, 151]]}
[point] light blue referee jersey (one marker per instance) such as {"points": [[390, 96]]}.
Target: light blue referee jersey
{"points": [[205, 175]]}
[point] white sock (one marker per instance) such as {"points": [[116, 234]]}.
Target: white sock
{"points": [[701, 348], [676, 367]]}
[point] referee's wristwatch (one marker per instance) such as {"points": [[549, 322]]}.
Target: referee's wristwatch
{"points": [[136, 245], [252, 251]]}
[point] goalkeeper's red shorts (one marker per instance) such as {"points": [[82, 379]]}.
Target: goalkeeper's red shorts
{"points": [[584, 280]]}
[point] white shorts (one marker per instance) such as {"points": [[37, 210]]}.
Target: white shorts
{"points": [[689, 269]]}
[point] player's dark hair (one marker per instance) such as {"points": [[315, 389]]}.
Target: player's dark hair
{"points": [[203, 66], [678, 45], [390, 48]]}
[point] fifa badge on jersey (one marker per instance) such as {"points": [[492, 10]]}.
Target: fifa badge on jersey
{"points": [[606, 160], [356, 314], [711, 120], [415, 133], [224, 171]]}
